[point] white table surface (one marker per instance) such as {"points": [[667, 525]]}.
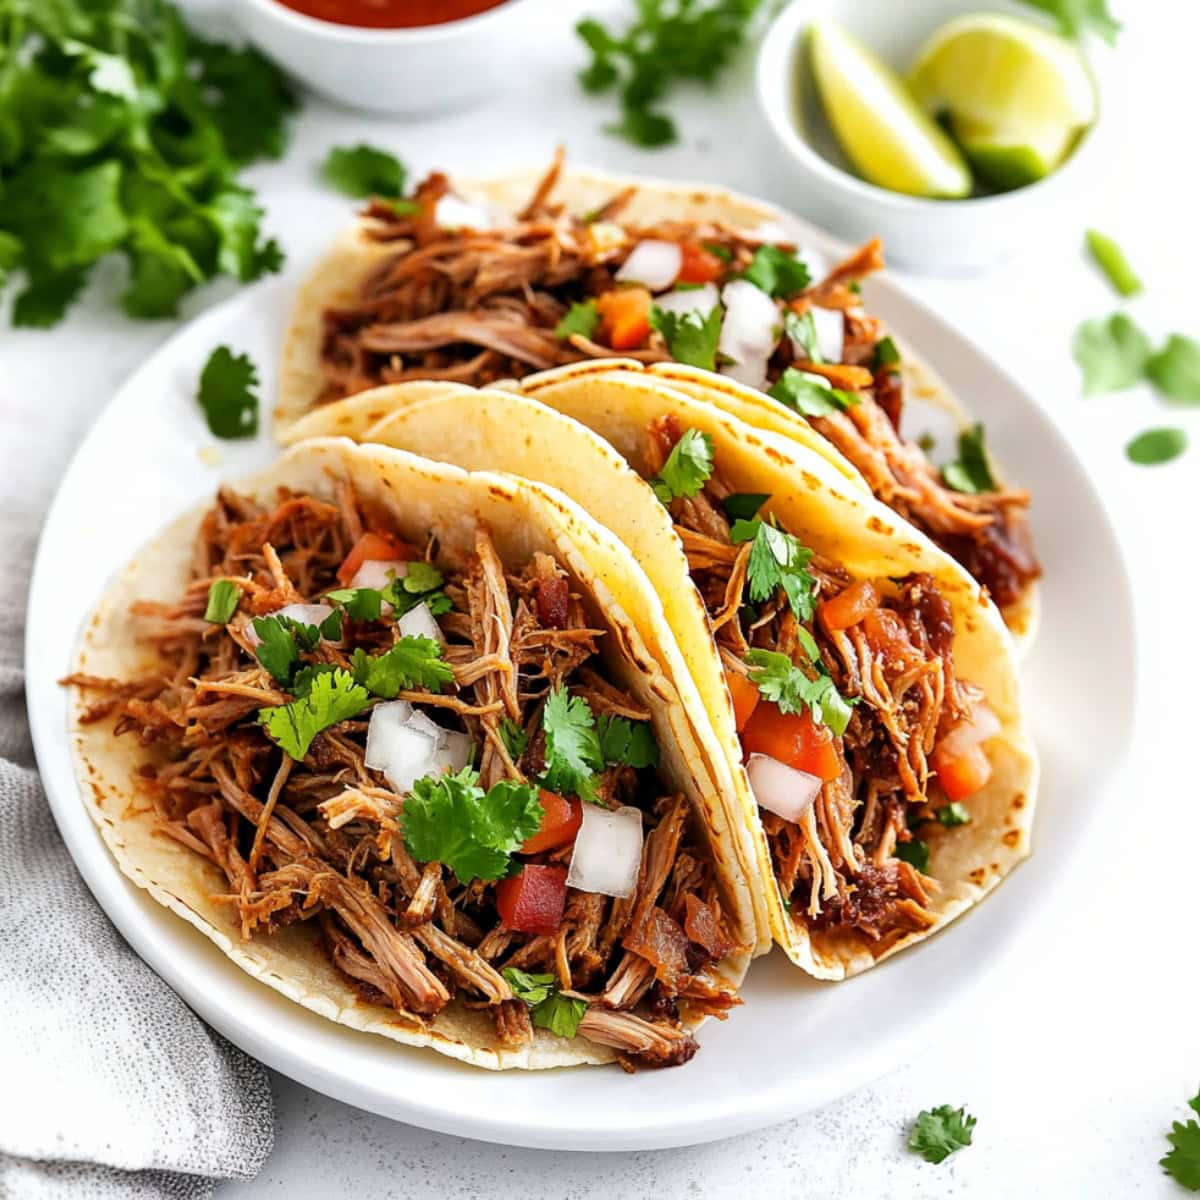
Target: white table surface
{"points": [[1088, 1045]]}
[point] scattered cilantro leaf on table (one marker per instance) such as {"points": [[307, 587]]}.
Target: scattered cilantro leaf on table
{"points": [[1110, 258], [972, 473], [687, 468], [1112, 352], [227, 394], [939, 1132], [331, 697], [1175, 370], [1155, 446], [364, 171], [1182, 1161]]}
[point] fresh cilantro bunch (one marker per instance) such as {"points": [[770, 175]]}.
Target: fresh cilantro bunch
{"points": [[668, 42], [122, 131]]}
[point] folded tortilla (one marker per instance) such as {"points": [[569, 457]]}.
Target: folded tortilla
{"points": [[554, 440], [418, 496]]}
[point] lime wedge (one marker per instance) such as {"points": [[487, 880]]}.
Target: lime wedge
{"points": [[1001, 72], [882, 130], [1009, 160]]}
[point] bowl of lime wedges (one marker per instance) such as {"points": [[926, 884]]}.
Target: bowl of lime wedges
{"points": [[959, 135]]}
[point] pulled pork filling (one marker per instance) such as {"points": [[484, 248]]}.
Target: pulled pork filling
{"points": [[479, 305], [851, 862], [323, 838]]}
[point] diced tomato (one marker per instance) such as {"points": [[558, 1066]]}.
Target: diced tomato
{"points": [[533, 901], [373, 547], [963, 775], [745, 696], [625, 314], [561, 819], [792, 738], [850, 606], [699, 265]]}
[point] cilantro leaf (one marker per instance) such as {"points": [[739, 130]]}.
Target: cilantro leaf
{"points": [[411, 662], [779, 679], [450, 820], [916, 853], [742, 506], [227, 395], [304, 678], [361, 604], [277, 649], [1076, 17], [573, 753], [46, 298], [1155, 446], [939, 1132], [1112, 354], [223, 597], [560, 1014], [777, 560], [972, 473], [363, 171], [690, 337], [801, 329], [1110, 258], [950, 815], [581, 318], [886, 353], [1175, 370], [533, 989], [625, 742], [811, 395], [687, 468], [777, 273], [1182, 1161], [421, 584], [332, 696], [515, 739]]}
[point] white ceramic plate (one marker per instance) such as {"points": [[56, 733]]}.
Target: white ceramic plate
{"points": [[795, 1044]]}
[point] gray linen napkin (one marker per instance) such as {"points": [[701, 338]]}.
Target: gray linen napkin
{"points": [[110, 1087]]}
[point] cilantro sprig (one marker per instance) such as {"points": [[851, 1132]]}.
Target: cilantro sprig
{"points": [[779, 679], [1112, 353], [811, 395], [972, 472], [687, 469], [630, 743], [549, 1008], [582, 318], [331, 696], [123, 132], [227, 395], [777, 272], [573, 752], [690, 336], [940, 1132], [777, 560], [411, 662], [1182, 1161]]}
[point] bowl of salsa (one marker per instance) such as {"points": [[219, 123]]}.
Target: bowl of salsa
{"points": [[392, 56]]}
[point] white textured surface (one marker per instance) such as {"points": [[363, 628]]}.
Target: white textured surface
{"points": [[1081, 1059]]}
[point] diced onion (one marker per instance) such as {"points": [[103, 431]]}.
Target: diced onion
{"points": [[398, 746], [608, 851], [751, 372], [829, 324], [454, 752], [983, 724], [305, 614], [701, 300], [377, 573], [452, 212], [781, 789], [652, 263], [751, 326], [419, 622]]}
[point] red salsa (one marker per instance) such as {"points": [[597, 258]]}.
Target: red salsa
{"points": [[390, 14]]}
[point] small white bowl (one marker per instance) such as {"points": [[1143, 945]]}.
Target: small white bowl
{"points": [[925, 235], [416, 70]]}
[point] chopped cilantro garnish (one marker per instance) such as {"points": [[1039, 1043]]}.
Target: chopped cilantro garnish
{"points": [[550, 1009], [687, 468], [533, 989], [277, 649], [581, 318], [972, 473], [915, 853], [722, 252], [1175, 370], [411, 662], [449, 819], [802, 330], [1182, 1161], [626, 743], [690, 337], [573, 753], [1155, 446], [227, 396], [223, 597], [331, 697], [364, 171], [1112, 353], [302, 681], [361, 604], [886, 353], [779, 679], [777, 560], [777, 272], [742, 506], [940, 1131], [1076, 17], [1110, 258], [811, 395], [515, 739], [952, 814], [421, 584]]}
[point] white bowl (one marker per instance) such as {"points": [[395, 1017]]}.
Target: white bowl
{"points": [[417, 70], [924, 235]]}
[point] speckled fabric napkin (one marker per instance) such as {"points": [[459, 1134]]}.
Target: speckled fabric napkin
{"points": [[110, 1087]]}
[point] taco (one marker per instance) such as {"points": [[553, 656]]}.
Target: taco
{"points": [[389, 734], [859, 684], [477, 283]]}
